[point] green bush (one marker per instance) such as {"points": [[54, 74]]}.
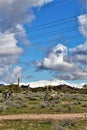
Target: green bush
{"points": [[15, 88]]}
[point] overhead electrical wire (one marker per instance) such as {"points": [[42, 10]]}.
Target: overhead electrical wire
{"points": [[61, 21], [18, 32], [64, 30], [63, 38], [53, 32], [57, 31], [37, 29], [41, 34], [52, 24]]}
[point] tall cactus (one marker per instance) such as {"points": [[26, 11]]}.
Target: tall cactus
{"points": [[18, 81]]}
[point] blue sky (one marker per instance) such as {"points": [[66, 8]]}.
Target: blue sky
{"points": [[43, 40]]}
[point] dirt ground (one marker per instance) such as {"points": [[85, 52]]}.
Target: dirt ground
{"points": [[43, 116]]}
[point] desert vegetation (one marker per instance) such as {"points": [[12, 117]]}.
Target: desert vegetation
{"points": [[66, 124], [50, 100], [14, 99]]}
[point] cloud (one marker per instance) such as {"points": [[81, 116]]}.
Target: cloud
{"points": [[80, 73], [10, 74], [55, 60], [15, 12], [82, 19], [8, 45], [79, 54], [21, 35], [9, 55], [67, 63], [13, 74], [13, 15]]}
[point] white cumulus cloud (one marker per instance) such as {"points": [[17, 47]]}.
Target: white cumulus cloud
{"points": [[13, 74], [68, 63], [13, 15], [83, 24]]}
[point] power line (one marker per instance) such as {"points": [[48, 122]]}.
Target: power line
{"points": [[60, 31], [17, 32], [64, 30], [64, 38], [53, 23], [57, 31]]}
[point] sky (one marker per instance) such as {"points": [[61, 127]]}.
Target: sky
{"points": [[43, 40]]}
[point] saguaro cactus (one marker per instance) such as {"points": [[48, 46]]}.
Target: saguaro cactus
{"points": [[18, 81]]}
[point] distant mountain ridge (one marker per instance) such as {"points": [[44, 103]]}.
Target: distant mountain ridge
{"points": [[2, 84], [54, 82]]}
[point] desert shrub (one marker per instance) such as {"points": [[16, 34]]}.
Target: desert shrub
{"points": [[67, 122], [1, 88], [33, 98], [65, 104], [77, 103], [43, 105], [15, 88], [59, 109], [57, 126], [23, 104], [70, 108], [15, 103], [20, 98], [1, 99], [48, 121], [3, 108], [84, 105], [54, 101], [19, 104], [8, 102]]}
